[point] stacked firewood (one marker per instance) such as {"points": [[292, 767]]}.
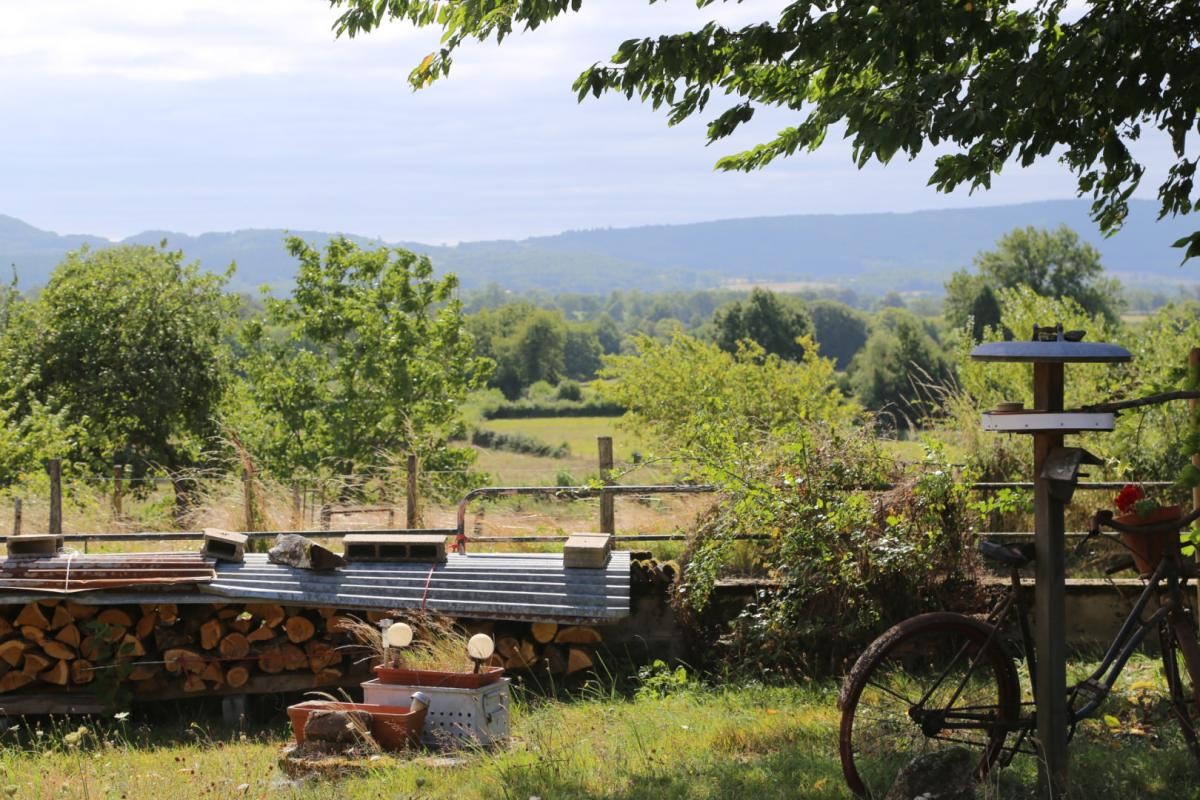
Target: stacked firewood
{"points": [[544, 646], [163, 646]]}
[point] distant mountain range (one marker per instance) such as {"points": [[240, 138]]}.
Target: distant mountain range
{"points": [[869, 252]]}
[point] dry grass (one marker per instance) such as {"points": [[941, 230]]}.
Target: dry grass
{"points": [[438, 644]]}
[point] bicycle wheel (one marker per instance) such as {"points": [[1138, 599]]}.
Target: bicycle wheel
{"points": [[933, 681], [1181, 666]]}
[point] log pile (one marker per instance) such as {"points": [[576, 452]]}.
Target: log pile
{"points": [[545, 647], [162, 647]]}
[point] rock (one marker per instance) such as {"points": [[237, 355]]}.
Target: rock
{"points": [[947, 774], [293, 550], [346, 727]]}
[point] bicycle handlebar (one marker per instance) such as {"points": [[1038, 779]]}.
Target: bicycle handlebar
{"points": [[1105, 517]]}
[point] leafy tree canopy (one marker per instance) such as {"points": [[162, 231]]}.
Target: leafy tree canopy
{"points": [[374, 361], [840, 330], [129, 339], [762, 318], [901, 370], [1051, 263], [993, 81]]}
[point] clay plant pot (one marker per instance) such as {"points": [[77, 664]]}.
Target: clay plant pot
{"points": [[1147, 548], [437, 678], [392, 727]]}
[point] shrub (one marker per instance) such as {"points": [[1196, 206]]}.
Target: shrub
{"points": [[797, 461], [569, 390], [517, 443]]}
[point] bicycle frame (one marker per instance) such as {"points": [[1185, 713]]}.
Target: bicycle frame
{"points": [[1097, 686]]}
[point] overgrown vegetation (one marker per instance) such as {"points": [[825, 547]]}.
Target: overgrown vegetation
{"points": [[798, 462]]}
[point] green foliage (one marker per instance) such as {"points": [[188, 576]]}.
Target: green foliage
{"points": [[28, 440], [902, 370], [570, 391], [1156, 442], [840, 330], [1051, 263], [796, 462], [773, 324], [126, 342], [1149, 443], [371, 357], [987, 81], [531, 344], [517, 443], [659, 680]]}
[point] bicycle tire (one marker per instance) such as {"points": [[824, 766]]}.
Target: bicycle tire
{"points": [[1178, 644], [883, 727]]}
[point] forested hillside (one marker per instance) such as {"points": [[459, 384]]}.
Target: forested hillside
{"points": [[873, 253]]}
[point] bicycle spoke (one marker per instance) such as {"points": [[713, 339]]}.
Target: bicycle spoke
{"points": [[968, 698]]}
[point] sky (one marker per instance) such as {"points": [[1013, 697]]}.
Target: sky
{"points": [[214, 115]]}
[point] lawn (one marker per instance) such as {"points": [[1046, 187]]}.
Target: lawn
{"points": [[674, 739]]}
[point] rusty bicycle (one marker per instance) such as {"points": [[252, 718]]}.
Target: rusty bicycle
{"points": [[947, 679]]}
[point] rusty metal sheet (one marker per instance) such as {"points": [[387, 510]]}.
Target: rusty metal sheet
{"points": [[71, 573]]}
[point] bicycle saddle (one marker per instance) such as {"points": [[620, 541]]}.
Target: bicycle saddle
{"points": [[1011, 555]]}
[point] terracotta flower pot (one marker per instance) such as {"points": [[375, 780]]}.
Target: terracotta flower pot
{"points": [[1147, 548], [392, 727], [437, 678]]}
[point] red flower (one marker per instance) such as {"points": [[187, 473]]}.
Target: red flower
{"points": [[1127, 498]]}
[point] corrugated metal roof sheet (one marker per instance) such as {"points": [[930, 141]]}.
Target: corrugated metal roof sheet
{"points": [[532, 586], [68, 574]]}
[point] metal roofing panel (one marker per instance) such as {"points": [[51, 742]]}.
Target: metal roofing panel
{"points": [[71, 573], [502, 585], [1051, 352]]}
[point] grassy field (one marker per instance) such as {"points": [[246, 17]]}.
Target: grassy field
{"points": [[673, 740]]}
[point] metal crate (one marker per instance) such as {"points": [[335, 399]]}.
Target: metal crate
{"points": [[456, 716]]}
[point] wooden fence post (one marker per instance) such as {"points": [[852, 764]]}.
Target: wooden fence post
{"points": [[118, 475], [297, 512], [248, 499], [16, 516], [54, 469], [607, 517], [412, 513]]}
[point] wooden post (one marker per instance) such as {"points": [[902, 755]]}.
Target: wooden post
{"points": [[297, 512], [412, 514], [118, 474], [1050, 594], [16, 516], [54, 469], [248, 499], [604, 445]]}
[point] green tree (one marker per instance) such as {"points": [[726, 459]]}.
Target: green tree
{"points": [[581, 352], [898, 370], [129, 340], [970, 300], [374, 361], [765, 319], [989, 81], [1051, 263], [841, 331], [538, 347]]}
